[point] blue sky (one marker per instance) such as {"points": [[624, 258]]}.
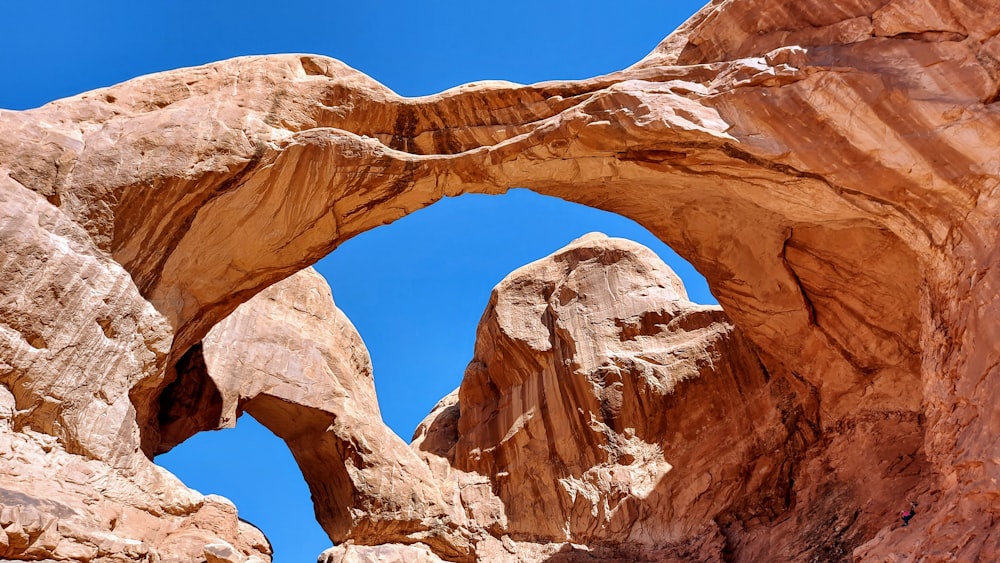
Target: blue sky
{"points": [[414, 289]]}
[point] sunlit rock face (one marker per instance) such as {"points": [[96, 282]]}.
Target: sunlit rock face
{"points": [[829, 166], [606, 409], [292, 360], [81, 351], [599, 395]]}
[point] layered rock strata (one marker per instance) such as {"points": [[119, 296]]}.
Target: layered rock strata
{"points": [[828, 166]]}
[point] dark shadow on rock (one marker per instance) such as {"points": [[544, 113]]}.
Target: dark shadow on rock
{"points": [[191, 404]]}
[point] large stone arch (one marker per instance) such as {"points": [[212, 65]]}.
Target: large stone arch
{"points": [[829, 168]]}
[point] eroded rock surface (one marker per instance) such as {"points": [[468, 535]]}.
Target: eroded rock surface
{"points": [[292, 360], [607, 410], [80, 351], [829, 166], [599, 409], [602, 404], [603, 415]]}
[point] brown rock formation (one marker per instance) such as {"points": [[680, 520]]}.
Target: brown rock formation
{"points": [[828, 165], [682, 446], [603, 405], [601, 409], [379, 554], [80, 351], [293, 361]]}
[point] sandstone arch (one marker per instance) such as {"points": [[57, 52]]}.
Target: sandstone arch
{"points": [[829, 167]]}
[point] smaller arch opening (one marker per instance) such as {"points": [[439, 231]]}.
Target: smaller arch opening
{"points": [[252, 467]]}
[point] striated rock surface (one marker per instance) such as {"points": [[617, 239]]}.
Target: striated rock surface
{"points": [[829, 166], [603, 405], [606, 410], [390, 553], [80, 352], [294, 362], [606, 417]]}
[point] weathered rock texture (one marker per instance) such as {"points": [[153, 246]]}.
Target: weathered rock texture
{"points": [[294, 362], [671, 416], [593, 412], [80, 352], [601, 409], [608, 410], [830, 166]]}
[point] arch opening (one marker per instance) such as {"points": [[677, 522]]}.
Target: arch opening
{"points": [[416, 288], [254, 469], [424, 259], [795, 400]]}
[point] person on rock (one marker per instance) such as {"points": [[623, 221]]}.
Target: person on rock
{"points": [[909, 513]]}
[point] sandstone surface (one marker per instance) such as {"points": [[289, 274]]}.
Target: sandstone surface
{"points": [[294, 362], [602, 404], [684, 447], [829, 166], [596, 386], [80, 351]]}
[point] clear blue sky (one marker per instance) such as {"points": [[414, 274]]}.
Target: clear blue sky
{"points": [[414, 289]]}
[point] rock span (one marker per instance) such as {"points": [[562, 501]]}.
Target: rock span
{"points": [[293, 361], [828, 166]]}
